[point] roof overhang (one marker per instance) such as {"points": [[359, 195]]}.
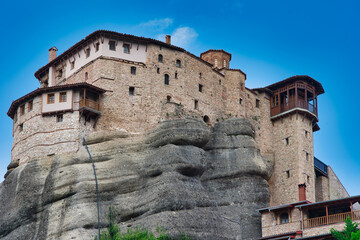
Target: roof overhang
{"points": [[36, 92], [330, 202]]}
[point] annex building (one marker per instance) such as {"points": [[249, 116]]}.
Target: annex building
{"points": [[113, 81]]}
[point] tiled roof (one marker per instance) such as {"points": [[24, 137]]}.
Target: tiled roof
{"points": [[319, 88], [93, 36], [38, 91], [215, 50]]}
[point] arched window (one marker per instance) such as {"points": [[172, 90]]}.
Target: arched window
{"points": [[178, 63], [160, 58], [284, 218], [166, 79], [215, 62], [168, 98], [224, 63]]}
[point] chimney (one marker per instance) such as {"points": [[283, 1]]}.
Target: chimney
{"points": [[302, 192], [52, 53], [168, 39]]}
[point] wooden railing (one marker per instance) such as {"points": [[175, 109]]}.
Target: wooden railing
{"points": [[293, 104], [330, 219], [90, 104]]}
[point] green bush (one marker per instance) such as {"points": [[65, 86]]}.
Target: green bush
{"points": [[350, 232], [114, 232]]}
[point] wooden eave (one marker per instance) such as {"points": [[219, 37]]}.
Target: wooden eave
{"points": [[15, 104]]}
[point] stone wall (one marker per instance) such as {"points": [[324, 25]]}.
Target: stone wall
{"points": [[336, 189]]}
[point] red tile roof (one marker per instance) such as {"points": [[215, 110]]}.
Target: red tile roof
{"points": [[128, 37], [215, 50]]}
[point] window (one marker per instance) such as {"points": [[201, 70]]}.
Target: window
{"points": [[112, 45], [224, 63], [21, 127], [97, 45], [168, 98], [306, 133], [307, 156], [60, 73], [206, 119], [200, 75], [87, 52], [200, 87], [284, 218], [133, 70], [59, 118], [219, 82], [257, 103], [30, 105], [158, 70], [50, 98], [131, 91], [288, 173], [215, 62], [287, 141], [160, 58], [86, 76], [196, 104], [22, 110], [176, 75], [240, 100], [166, 79], [126, 48], [72, 64], [178, 63], [62, 97]]}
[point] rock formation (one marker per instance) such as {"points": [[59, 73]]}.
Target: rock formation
{"points": [[182, 176]]}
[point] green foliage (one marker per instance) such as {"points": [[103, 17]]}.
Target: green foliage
{"points": [[350, 232], [114, 232]]}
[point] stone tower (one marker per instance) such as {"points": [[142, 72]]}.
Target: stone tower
{"points": [[218, 58], [294, 116]]}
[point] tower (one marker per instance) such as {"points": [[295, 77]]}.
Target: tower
{"points": [[218, 58], [294, 116]]}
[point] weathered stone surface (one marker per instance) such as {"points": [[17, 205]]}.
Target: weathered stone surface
{"points": [[183, 176]]}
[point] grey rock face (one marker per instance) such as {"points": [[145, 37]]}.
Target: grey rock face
{"points": [[183, 176]]}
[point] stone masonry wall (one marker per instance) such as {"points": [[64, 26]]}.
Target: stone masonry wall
{"points": [[271, 224], [336, 189]]}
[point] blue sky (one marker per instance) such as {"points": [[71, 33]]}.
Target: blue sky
{"points": [[269, 40]]}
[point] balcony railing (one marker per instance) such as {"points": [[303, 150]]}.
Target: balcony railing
{"points": [[320, 166], [90, 104], [291, 104], [331, 219]]}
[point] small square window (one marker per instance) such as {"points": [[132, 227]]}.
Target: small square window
{"points": [[307, 156], [50, 98], [30, 105], [60, 73], [59, 118], [168, 99], [178, 63], [112, 45], [257, 103], [22, 110], [200, 75], [62, 97], [131, 91], [287, 141], [158, 70], [133, 70], [288, 173], [126, 48], [176, 75], [196, 104], [97, 45], [240, 101], [72, 64], [306, 133], [21, 127], [87, 51], [200, 87]]}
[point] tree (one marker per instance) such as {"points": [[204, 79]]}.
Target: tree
{"points": [[351, 231]]}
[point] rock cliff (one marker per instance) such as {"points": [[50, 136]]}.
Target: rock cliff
{"points": [[182, 176]]}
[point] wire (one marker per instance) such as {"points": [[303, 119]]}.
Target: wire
{"points": [[96, 182]]}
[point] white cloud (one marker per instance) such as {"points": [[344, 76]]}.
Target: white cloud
{"points": [[181, 36], [158, 24]]}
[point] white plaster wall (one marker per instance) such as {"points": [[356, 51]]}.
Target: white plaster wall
{"points": [[57, 105], [137, 54]]}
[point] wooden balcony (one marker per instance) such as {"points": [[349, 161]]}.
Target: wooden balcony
{"points": [[292, 104], [331, 219], [90, 104]]}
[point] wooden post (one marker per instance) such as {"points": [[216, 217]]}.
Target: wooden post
{"points": [[327, 215]]}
